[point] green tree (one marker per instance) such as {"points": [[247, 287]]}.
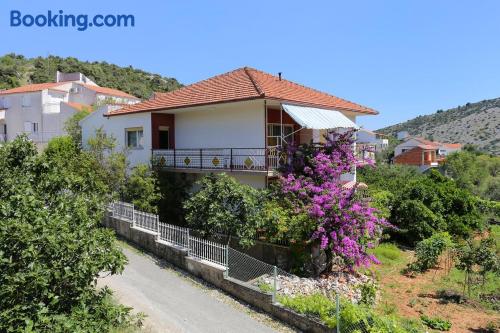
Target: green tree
{"points": [[16, 70], [72, 125], [477, 172], [435, 203], [113, 164], [224, 205], [142, 190], [51, 246]]}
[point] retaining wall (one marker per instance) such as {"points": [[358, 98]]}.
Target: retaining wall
{"points": [[211, 273]]}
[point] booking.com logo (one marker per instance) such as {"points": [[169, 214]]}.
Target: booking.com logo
{"points": [[82, 22]]}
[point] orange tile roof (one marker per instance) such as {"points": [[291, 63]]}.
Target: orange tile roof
{"points": [[452, 145], [435, 143], [32, 88], [79, 106], [107, 91], [243, 84]]}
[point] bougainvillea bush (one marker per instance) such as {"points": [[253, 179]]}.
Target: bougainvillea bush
{"points": [[343, 224]]}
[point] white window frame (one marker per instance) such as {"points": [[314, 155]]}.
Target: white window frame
{"points": [[277, 136], [139, 140]]}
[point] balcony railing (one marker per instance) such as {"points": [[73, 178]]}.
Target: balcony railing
{"points": [[232, 159], [365, 152]]}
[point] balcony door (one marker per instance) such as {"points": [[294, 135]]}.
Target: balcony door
{"points": [[163, 136]]}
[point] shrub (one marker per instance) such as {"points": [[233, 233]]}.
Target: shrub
{"points": [[368, 293], [346, 227], [436, 323], [352, 316], [280, 222], [224, 205], [427, 252]]}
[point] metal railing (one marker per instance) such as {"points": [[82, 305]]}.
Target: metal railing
{"points": [[146, 220], [365, 152], [123, 210], [173, 234], [233, 159], [208, 250]]}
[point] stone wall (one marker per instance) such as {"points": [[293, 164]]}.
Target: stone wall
{"points": [[211, 273]]}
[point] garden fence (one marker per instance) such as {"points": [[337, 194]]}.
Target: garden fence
{"points": [[146, 221], [238, 265], [174, 234], [123, 210], [208, 250]]}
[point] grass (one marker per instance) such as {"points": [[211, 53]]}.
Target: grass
{"points": [[391, 257], [388, 253]]}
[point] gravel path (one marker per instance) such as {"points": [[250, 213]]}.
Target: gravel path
{"points": [[176, 302]]}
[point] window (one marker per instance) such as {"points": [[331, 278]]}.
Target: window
{"points": [[26, 100], [4, 103], [134, 137], [274, 134], [27, 126]]}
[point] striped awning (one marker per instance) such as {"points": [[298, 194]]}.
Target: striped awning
{"points": [[314, 118]]}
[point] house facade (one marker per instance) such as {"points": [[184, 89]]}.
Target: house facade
{"points": [[235, 123], [423, 153], [368, 143], [41, 110]]}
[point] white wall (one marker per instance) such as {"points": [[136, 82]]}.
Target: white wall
{"points": [[365, 137], [232, 125], [409, 144], [16, 114], [84, 95], [116, 126]]}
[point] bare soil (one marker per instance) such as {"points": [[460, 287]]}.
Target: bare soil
{"points": [[414, 296]]}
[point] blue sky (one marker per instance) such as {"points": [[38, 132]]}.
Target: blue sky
{"points": [[403, 58]]}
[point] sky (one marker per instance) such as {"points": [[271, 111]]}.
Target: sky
{"points": [[402, 58]]}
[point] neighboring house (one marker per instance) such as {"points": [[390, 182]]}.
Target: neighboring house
{"points": [[368, 143], [234, 122], [41, 110], [423, 153]]}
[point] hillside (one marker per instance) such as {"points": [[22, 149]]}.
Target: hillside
{"points": [[16, 70], [474, 123]]}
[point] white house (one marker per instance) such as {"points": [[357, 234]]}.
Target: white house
{"points": [[368, 143], [41, 110], [234, 123]]}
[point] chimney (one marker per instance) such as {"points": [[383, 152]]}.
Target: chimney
{"points": [[279, 75]]}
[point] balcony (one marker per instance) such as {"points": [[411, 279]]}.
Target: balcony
{"points": [[261, 160], [365, 153]]}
